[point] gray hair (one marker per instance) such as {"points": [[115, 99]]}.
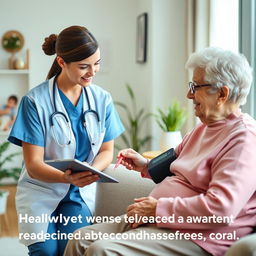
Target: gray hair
{"points": [[223, 67]]}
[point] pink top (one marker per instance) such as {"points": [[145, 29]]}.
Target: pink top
{"points": [[215, 174]]}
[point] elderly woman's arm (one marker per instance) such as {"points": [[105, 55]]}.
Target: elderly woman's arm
{"points": [[233, 183]]}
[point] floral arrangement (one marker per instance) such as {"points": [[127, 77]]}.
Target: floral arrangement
{"points": [[12, 42]]}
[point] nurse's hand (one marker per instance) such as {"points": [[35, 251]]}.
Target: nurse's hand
{"points": [[80, 179]]}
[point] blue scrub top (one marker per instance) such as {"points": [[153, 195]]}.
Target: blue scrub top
{"points": [[27, 126], [75, 114]]}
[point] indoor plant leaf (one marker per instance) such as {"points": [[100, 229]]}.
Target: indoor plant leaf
{"points": [[133, 124], [173, 119], [7, 172]]}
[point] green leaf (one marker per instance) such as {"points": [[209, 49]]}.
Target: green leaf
{"points": [[3, 147], [140, 114], [124, 107], [4, 172], [130, 91], [135, 120], [145, 140], [172, 119]]}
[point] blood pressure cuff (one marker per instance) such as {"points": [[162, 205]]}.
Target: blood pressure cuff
{"points": [[159, 167]]}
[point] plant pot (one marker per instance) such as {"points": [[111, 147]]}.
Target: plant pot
{"points": [[3, 200], [170, 140]]}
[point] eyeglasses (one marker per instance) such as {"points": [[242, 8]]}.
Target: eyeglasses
{"points": [[192, 86]]}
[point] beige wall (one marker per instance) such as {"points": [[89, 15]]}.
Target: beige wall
{"points": [[113, 22]]}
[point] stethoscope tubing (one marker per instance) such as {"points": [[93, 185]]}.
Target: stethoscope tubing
{"points": [[63, 115]]}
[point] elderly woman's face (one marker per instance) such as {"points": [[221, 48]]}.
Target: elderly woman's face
{"points": [[205, 103]]}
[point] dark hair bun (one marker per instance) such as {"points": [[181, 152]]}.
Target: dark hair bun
{"points": [[49, 44]]}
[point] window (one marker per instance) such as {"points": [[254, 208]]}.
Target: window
{"points": [[224, 26], [247, 32]]}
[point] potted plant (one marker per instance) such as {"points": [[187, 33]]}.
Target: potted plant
{"points": [[6, 172], [133, 124], [13, 41], [171, 122]]}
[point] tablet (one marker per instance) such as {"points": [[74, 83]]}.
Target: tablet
{"points": [[78, 166]]}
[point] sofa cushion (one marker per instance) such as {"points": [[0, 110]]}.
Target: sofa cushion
{"points": [[112, 199]]}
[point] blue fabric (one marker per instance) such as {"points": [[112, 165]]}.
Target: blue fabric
{"points": [[27, 126], [71, 205], [75, 113], [113, 124]]}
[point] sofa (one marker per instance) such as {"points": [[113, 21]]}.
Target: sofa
{"points": [[112, 199]]}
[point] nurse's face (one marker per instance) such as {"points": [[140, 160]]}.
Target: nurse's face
{"points": [[82, 72]]}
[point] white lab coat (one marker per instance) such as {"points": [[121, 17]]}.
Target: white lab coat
{"points": [[35, 197]]}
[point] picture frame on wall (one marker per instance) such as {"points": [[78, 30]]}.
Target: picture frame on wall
{"points": [[141, 45]]}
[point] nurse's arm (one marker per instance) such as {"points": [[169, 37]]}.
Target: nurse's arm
{"points": [[105, 155], [37, 169]]}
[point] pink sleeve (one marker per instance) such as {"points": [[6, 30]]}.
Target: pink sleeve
{"points": [[232, 185]]}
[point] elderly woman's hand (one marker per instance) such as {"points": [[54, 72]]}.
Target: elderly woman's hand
{"points": [[132, 160], [144, 206]]}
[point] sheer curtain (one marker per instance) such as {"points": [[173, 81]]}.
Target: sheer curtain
{"points": [[198, 37], [224, 24]]}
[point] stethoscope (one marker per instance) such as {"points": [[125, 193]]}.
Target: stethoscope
{"points": [[65, 118]]}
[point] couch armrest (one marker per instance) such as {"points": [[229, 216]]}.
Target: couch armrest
{"points": [[112, 199]]}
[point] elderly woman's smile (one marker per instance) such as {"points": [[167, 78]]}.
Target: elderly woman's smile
{"points": [[211, 104], [204, 102]]}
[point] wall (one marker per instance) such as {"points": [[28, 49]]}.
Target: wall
{"points": [[113, 23], [168, 57]]}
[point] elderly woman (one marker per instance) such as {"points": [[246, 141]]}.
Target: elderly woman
{"points": [[210, 202]]}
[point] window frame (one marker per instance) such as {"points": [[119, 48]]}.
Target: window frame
{"points": [[247, 46]]}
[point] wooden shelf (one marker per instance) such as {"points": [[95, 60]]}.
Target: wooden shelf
{"points": [[9, 220], [13, 71]]}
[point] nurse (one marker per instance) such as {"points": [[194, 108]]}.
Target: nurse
{"points": [[64, 117]]}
